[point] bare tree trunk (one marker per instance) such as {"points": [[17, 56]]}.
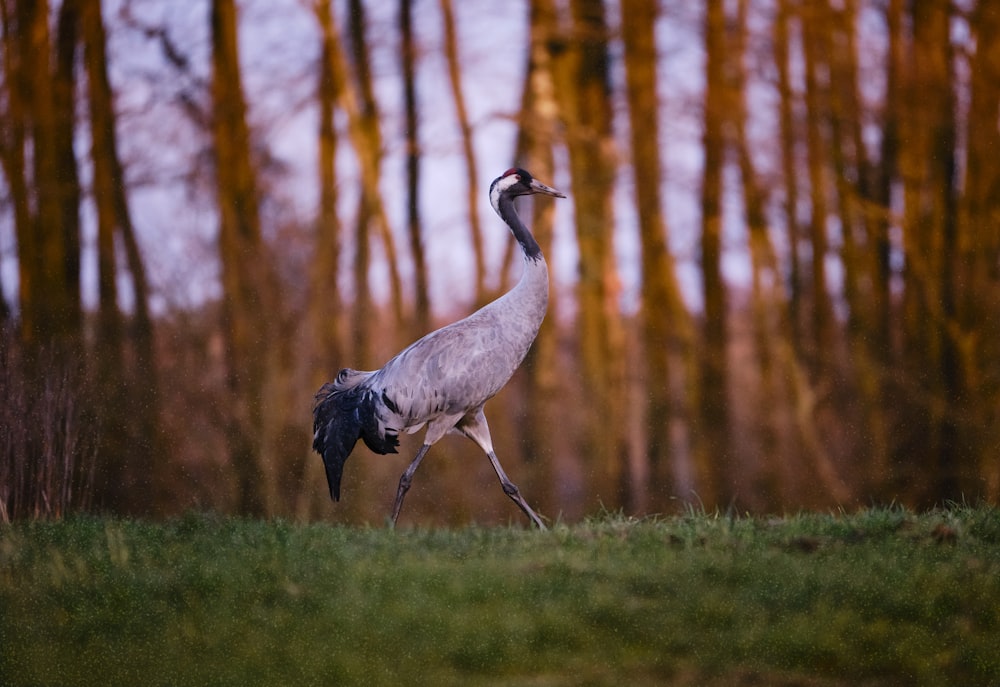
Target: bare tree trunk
{"points": [[885, 176], [768, 485], [63, 98], [12, 155], [364, 313], [583, 92], [864, 294], [713, 443], [138, 412], [326, 304], [665, 324], [978, 337], [242, 259], [368, 145], [823, 331], [46, 198], [846, 161], [546, 456], [468, 152], [789, 169], [327, 314], [358, 102], [367, 140], [876, 381], [117, 487], [927, 167], [408, 56]]}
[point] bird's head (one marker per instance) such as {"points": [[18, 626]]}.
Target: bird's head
{"points": [[518, 182]]}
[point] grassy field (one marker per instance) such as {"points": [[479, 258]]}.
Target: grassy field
{"points": [[879, 597]]}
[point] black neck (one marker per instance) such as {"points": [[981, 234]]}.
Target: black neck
{"points": [[505, 206]]}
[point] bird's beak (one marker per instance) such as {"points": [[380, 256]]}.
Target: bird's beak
{"points": [[539, 187]]}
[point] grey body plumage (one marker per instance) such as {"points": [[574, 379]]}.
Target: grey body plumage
{"points": [[442, 380]]}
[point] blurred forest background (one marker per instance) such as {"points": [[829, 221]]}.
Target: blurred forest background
{"points": [[777, 276]]}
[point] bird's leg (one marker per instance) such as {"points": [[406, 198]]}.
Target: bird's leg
{"points": [[474, 426], [405, 481], [512, 491]]}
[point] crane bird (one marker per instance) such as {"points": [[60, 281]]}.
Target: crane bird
{"points": [[443, 380]]}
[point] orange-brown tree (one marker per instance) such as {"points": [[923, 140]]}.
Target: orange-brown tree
{"points": [[581, 67], [125, 350], [43, 184], [976, 336], [244, 264], [665, 325], [713, 449]]}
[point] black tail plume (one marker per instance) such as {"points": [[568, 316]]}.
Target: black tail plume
{"points": [[341, 417]]}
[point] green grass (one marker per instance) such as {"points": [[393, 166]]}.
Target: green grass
{"points": [[884, 596]]}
